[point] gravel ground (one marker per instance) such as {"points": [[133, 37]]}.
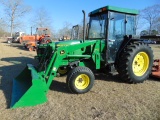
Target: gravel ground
{"points": [[108, 99]]}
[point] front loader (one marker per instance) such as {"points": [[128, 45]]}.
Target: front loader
{"points": [[110, 44]]}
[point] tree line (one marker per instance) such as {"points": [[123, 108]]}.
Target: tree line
{"points": [[148, 20]]}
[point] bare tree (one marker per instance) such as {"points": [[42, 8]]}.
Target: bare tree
{"points": [[151, 14], [41, 18], [3, 28], [139, 23], [156, 25], [81, 29], [66, 30], [14, 9]]}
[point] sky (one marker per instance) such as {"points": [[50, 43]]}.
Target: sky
{"points": [[71, 10]]}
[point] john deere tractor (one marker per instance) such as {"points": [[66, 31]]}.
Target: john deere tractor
{"points": [[110, 43]]}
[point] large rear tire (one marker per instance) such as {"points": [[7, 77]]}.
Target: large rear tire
{"points": [[135, 62], [80, 80]]}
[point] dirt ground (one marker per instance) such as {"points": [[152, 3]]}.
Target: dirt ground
{"points": [[109, 99]]}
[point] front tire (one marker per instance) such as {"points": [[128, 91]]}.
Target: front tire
{"points": [[80, 80], [135, 62]]}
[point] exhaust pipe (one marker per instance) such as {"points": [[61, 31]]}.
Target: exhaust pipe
{"points": [[84, 25]]}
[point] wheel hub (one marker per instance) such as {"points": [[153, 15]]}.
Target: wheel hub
{"points": [[140, 63], [82, 81]]}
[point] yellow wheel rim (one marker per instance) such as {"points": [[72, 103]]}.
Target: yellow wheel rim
{"points": [[62, 70], [140, 64], [82, 81]]}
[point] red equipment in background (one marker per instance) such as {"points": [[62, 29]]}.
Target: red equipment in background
{"points": [[42, 36], [156, 68]]}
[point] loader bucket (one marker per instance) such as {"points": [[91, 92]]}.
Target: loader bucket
{"points": [[29, 88]]}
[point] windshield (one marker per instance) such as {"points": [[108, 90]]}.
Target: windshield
{"points": [[97, 27]]}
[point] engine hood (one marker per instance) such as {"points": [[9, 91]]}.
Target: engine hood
{"points": [[66, 43]]}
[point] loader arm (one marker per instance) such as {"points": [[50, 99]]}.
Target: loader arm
{"points": [[30, 87], [59, 57]]}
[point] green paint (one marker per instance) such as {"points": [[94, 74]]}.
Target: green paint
{"points": [[116, 9], [29, 89]]}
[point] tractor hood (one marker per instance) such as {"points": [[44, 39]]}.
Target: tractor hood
{"points": [[54, 45], [66, 43]]}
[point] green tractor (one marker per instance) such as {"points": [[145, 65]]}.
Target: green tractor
{"points": [[110, 43]]}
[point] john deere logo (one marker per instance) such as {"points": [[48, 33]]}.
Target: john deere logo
{"points": [[62, 52]]}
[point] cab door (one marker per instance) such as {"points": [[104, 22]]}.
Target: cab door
{"points": [[116, 32]]}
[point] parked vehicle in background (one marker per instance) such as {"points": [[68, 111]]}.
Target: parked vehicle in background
{"points": [[149, 41], [41, 36], [16, 37], [153, 39]]}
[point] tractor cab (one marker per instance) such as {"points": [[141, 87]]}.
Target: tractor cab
{"points": [[110, 25]]}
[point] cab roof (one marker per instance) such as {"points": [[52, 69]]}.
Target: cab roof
{"points": [[115, 9]]}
